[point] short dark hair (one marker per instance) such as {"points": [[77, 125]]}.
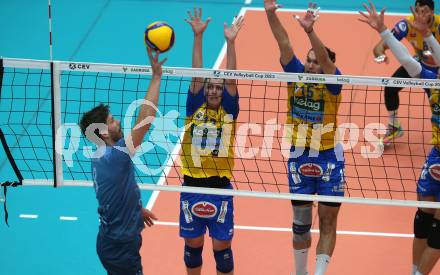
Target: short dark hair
{"points": [[331, 54], [429, 3], [98, 114]]}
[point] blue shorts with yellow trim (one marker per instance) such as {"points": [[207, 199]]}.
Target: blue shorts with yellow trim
{"points": [[429, 181], [201, 211], [319, 173]]}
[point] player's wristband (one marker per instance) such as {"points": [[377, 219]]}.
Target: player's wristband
{"points": [[380, 58]]}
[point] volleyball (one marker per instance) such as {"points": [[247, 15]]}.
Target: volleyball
{"points": [[159, 36]]}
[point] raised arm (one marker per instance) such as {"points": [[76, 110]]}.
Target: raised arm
{"points": [[307, 22], [147, 111], [376, 21], [379, 52], [278, 31], [231, 55], [198, 27]]}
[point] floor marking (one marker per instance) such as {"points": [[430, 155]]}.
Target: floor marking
{"points": [[316, 231], [66, 218], [28, 216]]}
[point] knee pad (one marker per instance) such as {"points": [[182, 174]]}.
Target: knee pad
{"points": [[434, 234], [422, 224], [224, 260], [302, 222], [193, 256]]}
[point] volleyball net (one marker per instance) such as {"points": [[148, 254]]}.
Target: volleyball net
{"points": [[41, 104]]}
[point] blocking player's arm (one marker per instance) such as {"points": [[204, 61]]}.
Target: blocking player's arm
{"points": [[231, 55], [148, 109], [399, 31], [376, 21], [307, 22], [198, 26], [279, 32], [379, 50]]}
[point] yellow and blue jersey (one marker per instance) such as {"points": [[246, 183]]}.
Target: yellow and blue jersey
{"points": [[207, 146], [434, 102], [404, 30], [312, 111]]}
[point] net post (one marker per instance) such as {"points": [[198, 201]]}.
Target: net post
{"points": [[56, 123]]}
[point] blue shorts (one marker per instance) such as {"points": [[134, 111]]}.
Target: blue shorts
{"points": [[120, 258], [429, 181], [201, 211], [322, 174]]}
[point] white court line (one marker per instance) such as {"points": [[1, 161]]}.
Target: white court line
{"points": [[28, 216], [66, 218], [285, 229], [176, 149]]}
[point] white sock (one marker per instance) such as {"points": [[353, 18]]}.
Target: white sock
{"points": [[418, 273], [322, 261], [393, 118], [414, 270], [301, 260]]}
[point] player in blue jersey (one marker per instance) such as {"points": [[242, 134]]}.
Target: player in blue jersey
{"points": [[404, 29], [426, 244], [316, 164], [121, 214], [208, 157]]}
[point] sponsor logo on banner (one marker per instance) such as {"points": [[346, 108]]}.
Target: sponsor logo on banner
{"points": [[343, 80], [204, 209], [310, 170], [434, 171], [385, 81], [139, 70], [79, 66], [168, 71], [244, 75]]}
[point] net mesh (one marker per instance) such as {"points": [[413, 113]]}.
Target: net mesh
{"points": [[260, 151]]}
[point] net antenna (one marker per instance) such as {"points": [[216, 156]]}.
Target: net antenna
{"points": [[50, 29], [56, 107]]}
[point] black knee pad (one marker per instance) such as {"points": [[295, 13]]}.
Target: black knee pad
{"points": [[224, 260], [193, 256], [422, 224], [434, 234]]}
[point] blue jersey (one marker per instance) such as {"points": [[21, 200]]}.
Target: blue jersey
{"points": [[118, 194]]}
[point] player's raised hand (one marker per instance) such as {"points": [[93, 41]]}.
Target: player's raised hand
{"points": [[309, 19], [232, 31], [373, 19], [156, 65], [196, 22], [421, 22], [271, 5]]}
